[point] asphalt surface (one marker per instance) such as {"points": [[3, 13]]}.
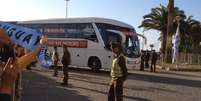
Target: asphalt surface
{"points": [[84, 85]]}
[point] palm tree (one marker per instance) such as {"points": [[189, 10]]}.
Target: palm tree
{"points": [[158, 20], [190, 33], [191, 30]]}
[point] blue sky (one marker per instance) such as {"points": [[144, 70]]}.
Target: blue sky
{"points": [[128, 11]]}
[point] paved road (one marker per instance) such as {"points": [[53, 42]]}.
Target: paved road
{"points": [[39, 85]]}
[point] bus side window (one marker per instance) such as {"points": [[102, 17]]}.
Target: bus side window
{"points": [[93, 38], [70, 31], [87, 32]]}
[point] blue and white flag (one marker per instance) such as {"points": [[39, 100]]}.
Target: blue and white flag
{"points": [[176, 43], [27, 38], [23, 36], [44, 58]]}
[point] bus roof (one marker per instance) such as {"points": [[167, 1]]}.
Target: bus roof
{"points": [[77, 20]]}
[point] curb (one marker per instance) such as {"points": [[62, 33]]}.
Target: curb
{"points": [[182, 69]]}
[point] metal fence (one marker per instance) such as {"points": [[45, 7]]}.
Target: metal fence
{"points": [[186, 58], [190, 58]]}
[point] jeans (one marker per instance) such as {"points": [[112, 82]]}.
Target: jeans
{"points": [[55, 68], [65, 72]]}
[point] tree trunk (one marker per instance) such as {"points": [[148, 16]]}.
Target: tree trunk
{"points": [[163, 43], [169, 30]]}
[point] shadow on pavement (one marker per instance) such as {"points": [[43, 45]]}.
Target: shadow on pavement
{"points": [[92, 80], [148, 78], [136, 88], [105, 93], [85, 79], [166, 80], [40, 88]]}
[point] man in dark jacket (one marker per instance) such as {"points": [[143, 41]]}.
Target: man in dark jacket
{"points": [[147, 56], [66, 60], [118, 73], [153, 61]]}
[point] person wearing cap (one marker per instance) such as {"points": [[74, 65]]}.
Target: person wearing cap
{"points": [[118, 73], [13, 66]]}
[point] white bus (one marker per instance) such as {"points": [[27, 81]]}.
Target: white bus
{"points": [[89, 39]]}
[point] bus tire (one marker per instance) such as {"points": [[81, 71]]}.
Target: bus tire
{"points": [[94, 63]]}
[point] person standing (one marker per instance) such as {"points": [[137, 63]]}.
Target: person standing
{"points": [[19, 52], [13, 66], [118, 73], [153, 61], [55, 59], [7, 53], [147, 56], [66, 60], [142, 60]]}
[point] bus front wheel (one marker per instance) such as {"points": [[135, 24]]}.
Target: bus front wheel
{"points": [[94, 63]]}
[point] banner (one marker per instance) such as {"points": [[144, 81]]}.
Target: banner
{"points": [[23, 36], [68, 43], [28, 39]]}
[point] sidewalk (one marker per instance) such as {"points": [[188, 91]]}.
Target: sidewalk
{"points": [[194, 68]]}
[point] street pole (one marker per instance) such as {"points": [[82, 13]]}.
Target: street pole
{"points": [[67, 8]]}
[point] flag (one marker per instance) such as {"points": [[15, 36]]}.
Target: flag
{"points": [[28, 39], [176, 43]]}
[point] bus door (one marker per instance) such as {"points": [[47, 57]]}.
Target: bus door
{"points": [[79, 56]]}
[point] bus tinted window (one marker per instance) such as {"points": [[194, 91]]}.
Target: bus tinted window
{"points": [[74, 30], [112, 37], [71, 30], [54, 30], [37, 27], [85, 31], [106, 35], [103, 26], [131, 46]]}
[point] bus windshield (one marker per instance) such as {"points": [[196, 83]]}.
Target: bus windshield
{"points": [[130, 47]]}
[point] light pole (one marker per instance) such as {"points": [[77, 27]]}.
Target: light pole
{"points": [[67, 8]]}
